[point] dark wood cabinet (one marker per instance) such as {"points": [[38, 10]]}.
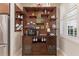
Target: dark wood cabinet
{"points": [[39, 48], [48, 48]]}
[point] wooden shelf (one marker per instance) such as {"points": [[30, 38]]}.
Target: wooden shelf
{"points": [[44, 15], [18, 30], [19, 19], [53, 19], [40, 23], [32, 17], [18, 11]]}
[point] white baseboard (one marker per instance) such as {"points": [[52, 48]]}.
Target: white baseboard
{"points": [[19, 52], [64, 54]]}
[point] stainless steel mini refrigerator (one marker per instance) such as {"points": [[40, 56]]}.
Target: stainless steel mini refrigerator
{"points": [[4, 18]]}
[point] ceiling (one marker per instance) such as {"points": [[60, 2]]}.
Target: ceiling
{"points": [[39, 4]]}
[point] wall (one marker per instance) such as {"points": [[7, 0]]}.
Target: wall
{"points": [[58, 23], [57, 5], [69, 45], [15, 37]]}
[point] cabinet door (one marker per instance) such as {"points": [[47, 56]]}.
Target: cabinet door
{"points": [[51, 40], [27, 45], [51, 45], [27, 40], [4, 8], [39, 49]]}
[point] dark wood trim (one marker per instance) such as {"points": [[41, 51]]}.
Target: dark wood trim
{"points": [[9, 32], [39, 8], [15, 17], [4, 14]]}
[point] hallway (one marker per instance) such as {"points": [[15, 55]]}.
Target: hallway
{"points": [[46, 29]]}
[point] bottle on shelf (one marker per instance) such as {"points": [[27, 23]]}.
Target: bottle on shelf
{"points": [[44, 39], [36, 39]]}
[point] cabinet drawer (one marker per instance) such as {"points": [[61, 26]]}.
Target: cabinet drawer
{"points": [[51, 49]]}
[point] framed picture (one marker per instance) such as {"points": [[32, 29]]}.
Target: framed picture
{"points": [[72, 31]]}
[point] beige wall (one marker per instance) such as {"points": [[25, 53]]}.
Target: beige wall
{"points": [[69, 45], [58, 23], [15, 37]]}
